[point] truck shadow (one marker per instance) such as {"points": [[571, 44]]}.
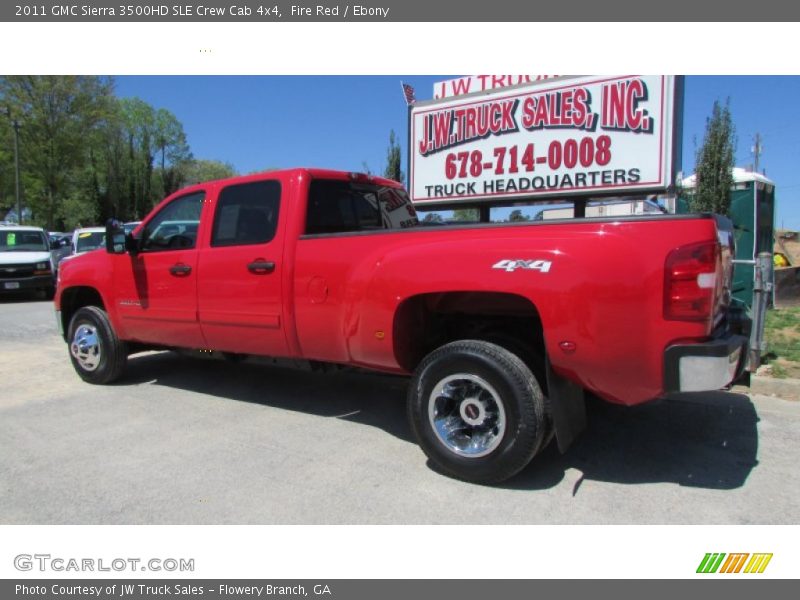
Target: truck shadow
{"points": [[706, 440], [367, 398]]}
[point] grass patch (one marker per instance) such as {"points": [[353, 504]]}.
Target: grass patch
{"points": [[778, 371], [783, 318], [782, 332]]}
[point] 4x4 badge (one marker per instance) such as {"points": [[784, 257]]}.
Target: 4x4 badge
{"points": [[532, 265]]}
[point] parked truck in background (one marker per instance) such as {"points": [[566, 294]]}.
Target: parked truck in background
{"points": [[500, 327], [26, 261]]}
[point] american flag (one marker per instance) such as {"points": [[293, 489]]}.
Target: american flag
{"points": [[408, 92]]}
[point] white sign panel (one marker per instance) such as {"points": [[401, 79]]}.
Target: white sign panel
{"points": [[562, 138], [481, 83]]}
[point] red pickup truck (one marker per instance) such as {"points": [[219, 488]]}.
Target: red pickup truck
{"points": [[502, 327]]}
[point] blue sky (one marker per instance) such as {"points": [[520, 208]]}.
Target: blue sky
{"points": [[340, 122]]}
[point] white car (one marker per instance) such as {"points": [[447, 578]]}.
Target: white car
{"points": [[87, 239], [26, 262]]}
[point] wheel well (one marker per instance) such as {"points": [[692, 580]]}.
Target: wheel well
{"points": [[77, 297], [423, 323]]}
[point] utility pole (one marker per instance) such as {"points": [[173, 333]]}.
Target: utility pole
{"points": [[15, 125], [757, 150]]}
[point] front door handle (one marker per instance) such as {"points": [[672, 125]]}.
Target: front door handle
{"points": [[261, 267], [180, 270]]}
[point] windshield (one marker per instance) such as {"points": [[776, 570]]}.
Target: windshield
{"points": [[90, 240], [23, 241]]}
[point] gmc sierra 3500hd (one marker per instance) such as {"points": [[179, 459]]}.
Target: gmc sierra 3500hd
{"points": [[502, 327]]}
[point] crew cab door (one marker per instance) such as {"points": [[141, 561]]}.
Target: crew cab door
{"points": [[239, 284], [156, 288]]}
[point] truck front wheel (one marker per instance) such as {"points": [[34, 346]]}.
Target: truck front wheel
{"points": [[477, 411], [97, 355]]}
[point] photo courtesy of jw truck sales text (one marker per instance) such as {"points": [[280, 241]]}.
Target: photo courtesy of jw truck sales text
{"points": [[334, 289]]}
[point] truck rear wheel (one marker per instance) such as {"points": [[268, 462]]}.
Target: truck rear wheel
{"points": [[97, 355], [477, 410]]}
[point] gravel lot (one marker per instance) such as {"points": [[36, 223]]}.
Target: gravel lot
{"points": [[192, 441]]}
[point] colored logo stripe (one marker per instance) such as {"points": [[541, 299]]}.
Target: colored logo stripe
{"points": [[758, 563], [733, 564], [710, 563]]}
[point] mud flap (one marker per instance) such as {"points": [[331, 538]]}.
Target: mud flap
{"points": [[568, 407]]}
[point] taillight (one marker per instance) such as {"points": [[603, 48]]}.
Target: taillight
{"points": [[691, 282]]}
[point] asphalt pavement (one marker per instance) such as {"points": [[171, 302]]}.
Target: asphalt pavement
{"points": [[192, 441]]}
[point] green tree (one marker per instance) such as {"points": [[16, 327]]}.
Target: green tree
{"points": [[60, 117], [255, 171], [7, 199], [432, 217], [111, 167], [198, 171], [170, 142], [715, 161], [466, 214], [517, 216], [138, 122], [141, 158], [393, 159]]}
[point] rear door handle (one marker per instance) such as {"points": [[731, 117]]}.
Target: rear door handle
{"points": [[180, 270], [261, 267]]}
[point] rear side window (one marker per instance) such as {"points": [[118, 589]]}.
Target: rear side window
{"points": [[246, 214], [342, 206]]}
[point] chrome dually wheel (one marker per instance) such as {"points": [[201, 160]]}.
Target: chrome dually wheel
{"points": [[467, 415], [97, 354], [477, 411], [85, 347]]}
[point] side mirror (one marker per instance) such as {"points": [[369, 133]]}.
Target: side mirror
{"points": [[115, 237]]}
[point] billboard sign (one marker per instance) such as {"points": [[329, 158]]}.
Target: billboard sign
{"points": [[559, 138]]}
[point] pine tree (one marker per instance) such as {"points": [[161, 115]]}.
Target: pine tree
{"points": [[393, 159], [715, 161]]}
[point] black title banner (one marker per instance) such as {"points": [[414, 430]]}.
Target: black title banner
{"points": [[400, 11]]}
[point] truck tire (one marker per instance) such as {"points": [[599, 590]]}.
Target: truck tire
{"points": [[97, 355], [537, 366], [477, 410]]}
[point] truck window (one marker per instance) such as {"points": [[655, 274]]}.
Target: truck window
{"points": [[336, 206], [174, 226], [246, 214]]}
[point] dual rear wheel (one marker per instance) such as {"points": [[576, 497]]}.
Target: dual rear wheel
{"points": [[478, 411]]}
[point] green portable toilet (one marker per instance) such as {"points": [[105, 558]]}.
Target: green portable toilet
{"points": [[753, 216]]}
